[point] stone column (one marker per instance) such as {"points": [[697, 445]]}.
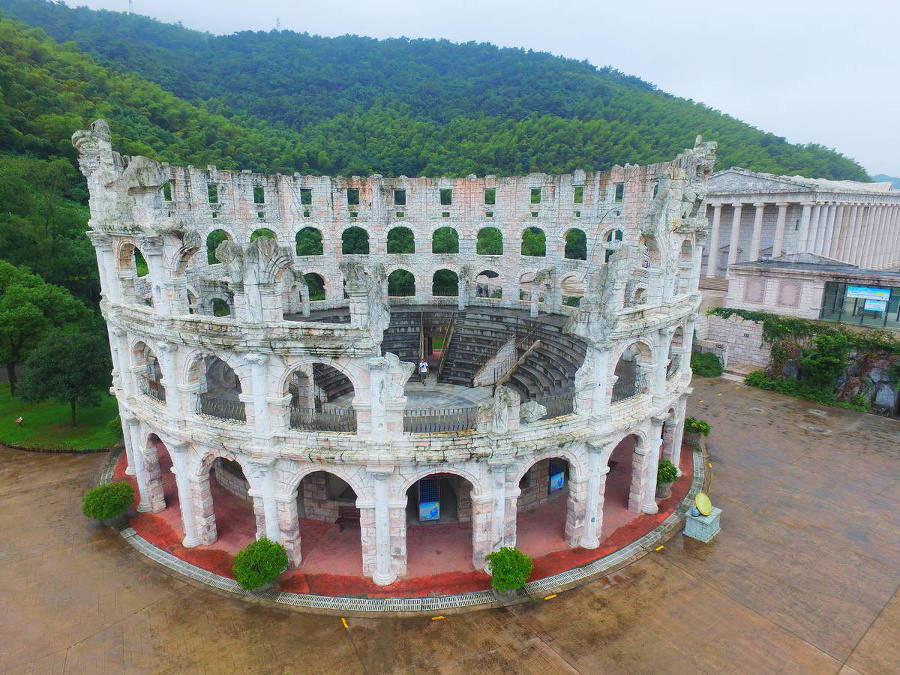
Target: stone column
{"points": [[882, 242], [846, 250], [735, 234], [384, 573], [894, 238], [262, 490], [534, 300], [814, 225], [140, 465], [639, 460], [576, 508], [679, 428], [119, 345], [596, 489], [826, 227], [778, 244], [378, 386], [859, 223], [124, 415], [482, 505], [757, 230], [655, 444], [397, 521], [805, 218], [687, 342], [503, 526], [833, 240], [869, 237], [168, 365], [289, 527], [714, 241], [662, 360], [258, 385], [178, 452]]}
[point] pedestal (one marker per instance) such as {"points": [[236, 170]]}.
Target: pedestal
{"points": [[702, 528]]}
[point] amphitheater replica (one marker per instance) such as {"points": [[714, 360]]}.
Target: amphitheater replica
{"points": [[265, 335]]}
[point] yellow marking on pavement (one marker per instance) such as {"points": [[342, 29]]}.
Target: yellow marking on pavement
{"points": [[710, 465], [720, 394], [550, 597], [344, 621], [701, 400], [660, 548], [436, 618], [738, 387]]}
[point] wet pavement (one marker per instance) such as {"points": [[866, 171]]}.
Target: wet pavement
{"points": [[804, 577]]}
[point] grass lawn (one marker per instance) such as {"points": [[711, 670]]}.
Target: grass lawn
{"points": [[48, 425]]}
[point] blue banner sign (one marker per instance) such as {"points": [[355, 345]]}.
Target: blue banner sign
{"points": [[557, 481], [869, 293], [875, 306], [429, 511]]}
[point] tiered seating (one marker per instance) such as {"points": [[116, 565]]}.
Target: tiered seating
{"points": [[476, 338], [550, 368], [332, 381]]}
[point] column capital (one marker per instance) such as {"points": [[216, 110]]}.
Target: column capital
{"points": [[782, 205], [166, 347], [759, 205], [256, 359], [737, 205]]}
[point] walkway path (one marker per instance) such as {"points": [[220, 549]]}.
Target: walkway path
{"points": [[803, 578]]}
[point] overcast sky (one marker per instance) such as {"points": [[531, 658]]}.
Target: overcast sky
{"points": [[825, 71]]}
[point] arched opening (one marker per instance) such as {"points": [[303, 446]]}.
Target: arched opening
{"points": [[140, 264], [355, 241], [534, 242], [439, 525], [220, 307], [134, 275], [316, 285], [262, 232], [487, 285], [445, 240], [651, 251], [576, 245], [321, 399], [638, 297], [330, 536], [220, 389], [542, 507], [620, 503], [149, 381], [401, 240], [445, 283], [192, 302], [309, 241], [213, 239], [685, 265], [676, 347], [489, 242], [572, 287], [230, 507], [612, 241], [632, 373], [401, 284], [528, 285]]}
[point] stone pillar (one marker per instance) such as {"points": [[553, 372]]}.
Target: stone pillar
{"points": [[262, 490], [826, 227], [833, 239], [714, 241], [384, 572], [894, 235], [778, 244], [814, 223], [534, 300], [126, 439], [868, 236], [140, 464], [652, 464], [757, 230], [576, 508], [805, 218], [378, 386], [503, 526], [735, 234], [204, 516], [258, 385], [696, 264], [687, 342], [662, 361], [186, 493], [881, 243], [168, 365], [460, 293], [289, 527], [856, 228], [482, 505], [398, 536], [596, 490], [679, 429]]}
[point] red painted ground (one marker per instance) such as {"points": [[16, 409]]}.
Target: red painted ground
{"points": [[439, 556]]}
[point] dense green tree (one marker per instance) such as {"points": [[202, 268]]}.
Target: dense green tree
{"points": [[401, 240], [534, 242], [355, 240], [69, 369], [29, 309], [489, 242], [576, 245], [309, 241], [445, 240]]}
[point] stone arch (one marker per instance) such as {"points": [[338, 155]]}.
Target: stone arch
{"points": [[355, 241], [308, 241], [545, 478], [534, 242], [572, 287], [676, 349], [318, 288], [653, 255], [263, 232], [685, 266], [347, 476], [400, 240], [633, 367], [443, 284], [613, 238], [626, 481], [212, 239], [401, 283], [489, 241], [575, 244], [150, 382], [488, 284], [307, 364], [449, 240], [226, 391], [210, 528], [638, 296], [409, 481], [526, 282]]}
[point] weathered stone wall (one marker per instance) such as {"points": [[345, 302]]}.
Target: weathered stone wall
{"points": [[742, 339]]}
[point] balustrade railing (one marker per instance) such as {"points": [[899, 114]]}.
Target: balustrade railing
{"points": [[152, 389], [225, 409], [629, 387], [335, 419], [674, 365], [427, 421], [557, 404]]}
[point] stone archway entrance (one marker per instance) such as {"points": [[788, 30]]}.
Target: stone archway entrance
{"points": [[439, 511]]}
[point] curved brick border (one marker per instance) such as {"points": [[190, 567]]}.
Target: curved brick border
{"points": [[350, 606], [60, 451]]}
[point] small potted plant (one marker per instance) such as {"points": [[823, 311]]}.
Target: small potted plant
{"points": [[108, 503], [665, 476], [258, 565], [509, 569], [694, 429]]}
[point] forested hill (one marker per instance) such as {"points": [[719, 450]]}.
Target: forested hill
{"points": [[418, 107]]}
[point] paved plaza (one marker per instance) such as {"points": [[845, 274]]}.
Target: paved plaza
{"points": [[804, 577]]}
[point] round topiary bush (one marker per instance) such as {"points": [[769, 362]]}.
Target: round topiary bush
{"points": [[706, 364], [694, 426], [108, 501], [666, 473], [259, 563], [510, 568]]}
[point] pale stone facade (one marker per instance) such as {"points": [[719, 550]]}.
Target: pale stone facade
{"points": [[248, 387], [757, 216]]}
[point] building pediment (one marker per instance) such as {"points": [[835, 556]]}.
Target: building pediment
{"points": [[739, 181]]}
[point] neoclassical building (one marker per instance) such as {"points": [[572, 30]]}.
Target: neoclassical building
{"points": [[756, 216], [264, 330]]}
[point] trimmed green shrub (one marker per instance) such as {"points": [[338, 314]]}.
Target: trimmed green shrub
{"points": [[695, 426], [114, 426], [259, 563], [666, 473], [108, 501], [510, 568], [706, 364]]}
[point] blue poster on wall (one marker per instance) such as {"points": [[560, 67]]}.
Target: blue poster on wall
{"points": [[557, 481], [429, 511]]}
